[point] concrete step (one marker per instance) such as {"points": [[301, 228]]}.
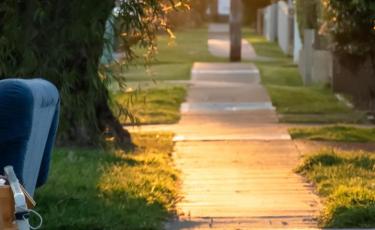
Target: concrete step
{"points": [[249, 93], [217, 107]]}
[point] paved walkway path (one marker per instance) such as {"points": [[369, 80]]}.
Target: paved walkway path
{"points": [[236, 161], [219, 44]]}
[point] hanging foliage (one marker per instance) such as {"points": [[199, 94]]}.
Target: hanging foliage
{"points": [[62, 41]]}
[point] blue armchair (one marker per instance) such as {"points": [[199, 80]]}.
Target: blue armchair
{"points": [[29, 111]]}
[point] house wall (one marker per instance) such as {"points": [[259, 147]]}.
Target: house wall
{"points": [[284, 27], [297, 47], [270, 22]]}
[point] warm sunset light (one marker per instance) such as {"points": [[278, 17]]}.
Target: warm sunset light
{"points": [[187, 114]]}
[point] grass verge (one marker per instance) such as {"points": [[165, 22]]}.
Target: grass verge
{"points": [[174, 57], [161, 104], [93, 189], [305, 100], [334, 133], [153, 106], [346, 181], [295, 102]]}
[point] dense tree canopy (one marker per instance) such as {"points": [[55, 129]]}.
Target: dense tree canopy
{"points": [[352, 25], [62, 41]]}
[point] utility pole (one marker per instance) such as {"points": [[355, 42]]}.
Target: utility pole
{"points": [[235, 23]]}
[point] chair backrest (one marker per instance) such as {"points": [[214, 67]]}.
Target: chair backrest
{"points": [[29, 111]]}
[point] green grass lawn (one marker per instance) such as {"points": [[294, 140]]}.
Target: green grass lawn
{"points": [[346, 181], [174, 58], [173, 62], [295, 102], [153, 106], [93, 189], [334, 133], [305, 100]]}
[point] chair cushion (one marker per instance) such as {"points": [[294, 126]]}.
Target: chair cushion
{"points": [[28, 123]]}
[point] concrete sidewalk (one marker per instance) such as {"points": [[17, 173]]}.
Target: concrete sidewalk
{"points": [[236, 161], [219, 45]]}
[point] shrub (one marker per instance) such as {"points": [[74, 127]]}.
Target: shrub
{"points": [[351, 25]]}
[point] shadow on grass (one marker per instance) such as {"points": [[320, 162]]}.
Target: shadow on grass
{"points": [[353, 215], [91, 189]]}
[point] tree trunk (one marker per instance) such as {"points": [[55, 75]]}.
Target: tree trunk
{"points": [[354, 76], [235, 20], [108, 123], [63, 44], [98, 121]]}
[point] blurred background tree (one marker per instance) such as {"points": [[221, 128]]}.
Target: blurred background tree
{"points": [[203, 11], [351, 28], [308, 14], [250, 10], [195, 17]]}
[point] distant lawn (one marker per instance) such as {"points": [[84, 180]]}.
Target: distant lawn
{"points": [[174, 61], [314, 104], [346, 181], [305, 100], [153, 106], [355, 117], [174, 58], [295, 102], [265, 48], [280, 74], [94, 189], [334, 133]]}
